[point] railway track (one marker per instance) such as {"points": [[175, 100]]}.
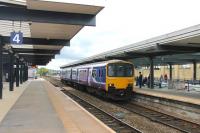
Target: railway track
{"points": [[111, 121], [172, 121], [114, 123]]}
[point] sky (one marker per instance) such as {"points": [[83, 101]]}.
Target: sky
{"points": [[124, 22]]}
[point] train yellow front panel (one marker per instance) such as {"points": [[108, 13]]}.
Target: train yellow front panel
{"points": [[119, 82]]}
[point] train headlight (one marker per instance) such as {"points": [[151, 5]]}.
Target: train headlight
{"points": [[111, 85]]}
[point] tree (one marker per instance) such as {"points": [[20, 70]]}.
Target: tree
{"points": [[42, 71]]}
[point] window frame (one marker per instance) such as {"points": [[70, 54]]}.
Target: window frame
{"points": [[119, 64]]}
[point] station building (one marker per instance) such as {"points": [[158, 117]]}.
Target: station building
{"points": [[181, 72]]}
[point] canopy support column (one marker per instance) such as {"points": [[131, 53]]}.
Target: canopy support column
{"points": [[151, 73], [1, 67], [17, 72], [170, 71], [26, 71], [11, 88], [194, 70], [21, 71]]}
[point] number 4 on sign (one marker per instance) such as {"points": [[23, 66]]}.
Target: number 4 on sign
{"points": [[16, 37]]}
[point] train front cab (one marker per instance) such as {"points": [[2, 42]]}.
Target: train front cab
{"points": [[119, 80]]}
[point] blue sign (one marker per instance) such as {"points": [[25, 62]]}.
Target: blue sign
{"points": [[16, 37]]}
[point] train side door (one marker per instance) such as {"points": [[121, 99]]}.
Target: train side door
{"points": [[70, 74], [103, 77], [89, 76]]}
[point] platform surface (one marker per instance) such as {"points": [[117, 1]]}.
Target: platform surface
{"points": [[10, 97], [179, 95], [32, 113], [43, 108]]}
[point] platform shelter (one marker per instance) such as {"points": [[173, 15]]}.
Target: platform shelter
{"points": [[179, 47], [32, 32]]}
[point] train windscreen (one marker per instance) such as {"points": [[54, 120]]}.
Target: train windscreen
{"points": [[120, 70]]}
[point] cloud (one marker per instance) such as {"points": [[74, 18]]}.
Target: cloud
{"points": [[124, 22], [56, 63]]}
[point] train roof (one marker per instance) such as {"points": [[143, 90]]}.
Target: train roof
{"points": [[102, 63]]}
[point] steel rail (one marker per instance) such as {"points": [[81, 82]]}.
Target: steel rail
{"points": [[116, 124], [163, 118], [166, 119]]}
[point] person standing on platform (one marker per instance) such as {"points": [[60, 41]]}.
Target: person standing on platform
{"points": [[140, 79]]}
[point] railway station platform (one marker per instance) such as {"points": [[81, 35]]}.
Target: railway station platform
{"points": [[43, 108], [171, 94]]}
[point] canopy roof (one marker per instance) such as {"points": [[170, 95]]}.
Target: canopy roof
{"points": [[47, 25], [178, 47]]}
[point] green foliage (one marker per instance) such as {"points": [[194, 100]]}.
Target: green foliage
{"points": [[42, 71]]}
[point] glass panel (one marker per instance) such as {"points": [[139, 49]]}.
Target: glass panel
{"points": [[120, 70]]}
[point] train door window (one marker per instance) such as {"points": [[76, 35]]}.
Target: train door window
{"points": [[94, 73], [99, 73], [102, 72]]}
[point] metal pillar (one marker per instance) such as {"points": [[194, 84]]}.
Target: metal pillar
{"points": [[170, 71], [194, 70], [26, 72], [21, 73], [11, 88], [17, 72], [151, 73], [1, 67]]}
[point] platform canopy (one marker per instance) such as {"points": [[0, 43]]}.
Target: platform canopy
{"points": [[47, 25], [178, 47]]}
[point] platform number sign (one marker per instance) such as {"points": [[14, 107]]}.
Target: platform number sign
{"points": [[16, 37]]}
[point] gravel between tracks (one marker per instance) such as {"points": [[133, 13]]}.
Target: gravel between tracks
{"points": [[141, 123]]}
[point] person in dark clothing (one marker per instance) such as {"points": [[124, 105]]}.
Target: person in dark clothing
{"points": [[140, 79]]}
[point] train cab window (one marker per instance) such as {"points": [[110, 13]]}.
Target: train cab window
{"points": [[110, 71], [120, 70]]}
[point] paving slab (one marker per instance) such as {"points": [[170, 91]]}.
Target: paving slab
{"points": [[32, 113], [10, 97], [74, 117]]}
